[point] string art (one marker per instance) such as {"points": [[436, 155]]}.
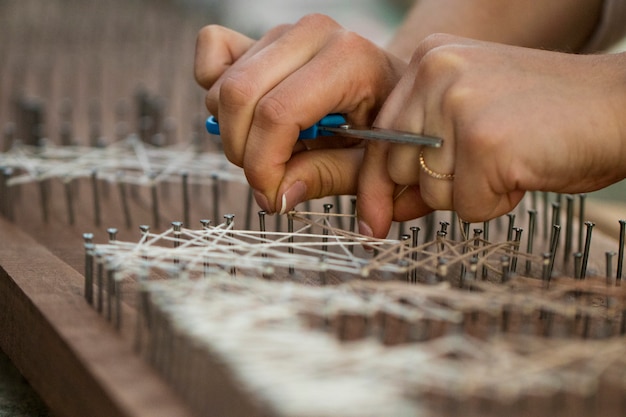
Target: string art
{"points": [[389, 327], [310, 319]]}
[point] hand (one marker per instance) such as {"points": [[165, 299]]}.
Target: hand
{"points": [[263, 93], [512, 120]]}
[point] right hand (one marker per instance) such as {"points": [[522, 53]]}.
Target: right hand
{"points": [[263, 93]]}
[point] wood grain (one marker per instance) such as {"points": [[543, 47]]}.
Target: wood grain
{"points": [[75, 359]]}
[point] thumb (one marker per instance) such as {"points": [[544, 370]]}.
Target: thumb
{"points": [[217, 48], [314, 174]]}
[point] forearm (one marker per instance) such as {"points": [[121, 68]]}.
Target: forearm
{"points": [[555, 24]]}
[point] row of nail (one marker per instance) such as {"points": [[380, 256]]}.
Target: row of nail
{"points": [[425, 257], [582, 307], [437, 361], [574, 263], [508, 261]]}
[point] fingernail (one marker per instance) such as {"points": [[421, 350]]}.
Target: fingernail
{"points": [[262, 201], [365, 229], [294, 195]]}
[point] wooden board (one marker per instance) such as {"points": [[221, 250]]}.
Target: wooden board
{"points": [[76, 360]]}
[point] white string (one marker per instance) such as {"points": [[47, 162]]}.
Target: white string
{"points": [[255, 251], [130, 160]]}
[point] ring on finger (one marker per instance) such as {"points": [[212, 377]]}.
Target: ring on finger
{"points": [[432, 173]]}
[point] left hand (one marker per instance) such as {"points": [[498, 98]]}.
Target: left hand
{"points": [[512, 120]]}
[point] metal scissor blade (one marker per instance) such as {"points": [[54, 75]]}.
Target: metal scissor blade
{"points": [[389, 135]]}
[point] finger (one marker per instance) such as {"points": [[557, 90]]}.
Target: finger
{"points": [[375, 192], [213, 95], [408, 203], [405, 93], [315, 174], [217, 48], [403, 111], [436, 184], [426, 96], [241, 88], [480, 192]]}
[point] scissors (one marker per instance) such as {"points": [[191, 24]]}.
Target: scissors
{"points": [[335, 124]]}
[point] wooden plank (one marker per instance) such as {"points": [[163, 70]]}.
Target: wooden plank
{"points": [[72, 357]]}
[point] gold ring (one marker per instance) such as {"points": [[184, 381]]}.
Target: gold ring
{"points": [[432, 173]]}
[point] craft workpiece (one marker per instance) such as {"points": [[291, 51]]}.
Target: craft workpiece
{"points": [[139, 278]]}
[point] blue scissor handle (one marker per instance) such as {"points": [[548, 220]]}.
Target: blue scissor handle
{"points": [[330, 120], [212, 126]]}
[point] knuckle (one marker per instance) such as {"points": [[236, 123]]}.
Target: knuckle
{"points": [[401, 176], [324, 176], [277, 31], [403, 164], [237, 91], [233, 154], [443, 59], [448, 59], [318, 20], [355, 43], [271, 110], [351, 44], [203, 76], [434, 198], [207, 33], [436, 40], [329, 174], [456, 98], [428, 44], [211, 103]]}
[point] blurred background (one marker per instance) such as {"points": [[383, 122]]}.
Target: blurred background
{"points": [[374, 19]]}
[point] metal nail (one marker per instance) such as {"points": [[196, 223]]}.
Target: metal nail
{"points": [[569, 227], [589, 226], [620, 252], [532, 220], [184, 176]]}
